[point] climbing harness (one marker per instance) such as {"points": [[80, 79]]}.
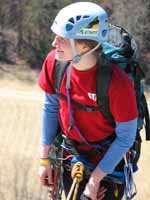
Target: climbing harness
{"points": [[56, 160], [76, 164]]}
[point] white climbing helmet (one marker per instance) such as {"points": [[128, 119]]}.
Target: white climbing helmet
{"points": [[82, 20]]}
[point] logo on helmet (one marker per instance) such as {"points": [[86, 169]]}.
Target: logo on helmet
{"points": [[87, 32]]}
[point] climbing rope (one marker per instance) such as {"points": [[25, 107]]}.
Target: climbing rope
{"points": [[77, 176]]}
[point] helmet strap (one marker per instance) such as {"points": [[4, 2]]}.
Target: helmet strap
{"points": [[76, 58], [91, 51]]}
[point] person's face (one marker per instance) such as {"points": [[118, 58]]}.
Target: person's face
{"points": [[63, 48]]}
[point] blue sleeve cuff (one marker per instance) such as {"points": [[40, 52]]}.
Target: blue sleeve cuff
{"points": [[50, 122], [125, 137]]}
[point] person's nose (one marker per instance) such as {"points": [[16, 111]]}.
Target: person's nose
{"points": [[55, 42]]}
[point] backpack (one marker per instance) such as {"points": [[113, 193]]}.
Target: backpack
{"points": [[123, 50]]}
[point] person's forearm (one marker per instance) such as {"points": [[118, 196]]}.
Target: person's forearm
{"points": [[92, 187], [97, 175], [44, 151], [125, 137], [50, 122]]}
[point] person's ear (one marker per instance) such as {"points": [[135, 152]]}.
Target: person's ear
{"points": [[85, 47], [82, 47]]}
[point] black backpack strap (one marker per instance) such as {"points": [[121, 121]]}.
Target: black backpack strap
{"points": [[104, 75], [59, 71], [146, 117], [141, 99], [79, 105], [138, 76]]}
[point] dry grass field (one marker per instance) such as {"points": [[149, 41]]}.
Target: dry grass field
{"points": [[20, 125]]}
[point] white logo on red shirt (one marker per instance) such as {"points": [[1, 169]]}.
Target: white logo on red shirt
{"points": [[92, 96]]}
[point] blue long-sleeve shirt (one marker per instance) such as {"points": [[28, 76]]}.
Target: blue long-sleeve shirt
{"points": [[50, 122], [125, 134]]}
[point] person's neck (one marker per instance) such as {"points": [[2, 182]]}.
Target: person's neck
{"points": [[86, 62]]}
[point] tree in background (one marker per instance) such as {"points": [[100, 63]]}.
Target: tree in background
{"points": [[31, 20]]}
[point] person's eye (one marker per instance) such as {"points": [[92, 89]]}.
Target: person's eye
{"points": [[63, 39]]}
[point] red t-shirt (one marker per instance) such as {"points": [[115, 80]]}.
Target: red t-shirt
{"points": [[93, 125]]}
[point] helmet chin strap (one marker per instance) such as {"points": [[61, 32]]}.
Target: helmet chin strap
{"points": [[76, 59]]}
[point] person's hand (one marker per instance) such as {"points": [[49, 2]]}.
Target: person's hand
{"points": [[100, 194], [45, 171], [45, 175], [92, 189]]}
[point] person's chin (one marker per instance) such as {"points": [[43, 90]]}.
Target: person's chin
{"points": [[60, 57]]}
